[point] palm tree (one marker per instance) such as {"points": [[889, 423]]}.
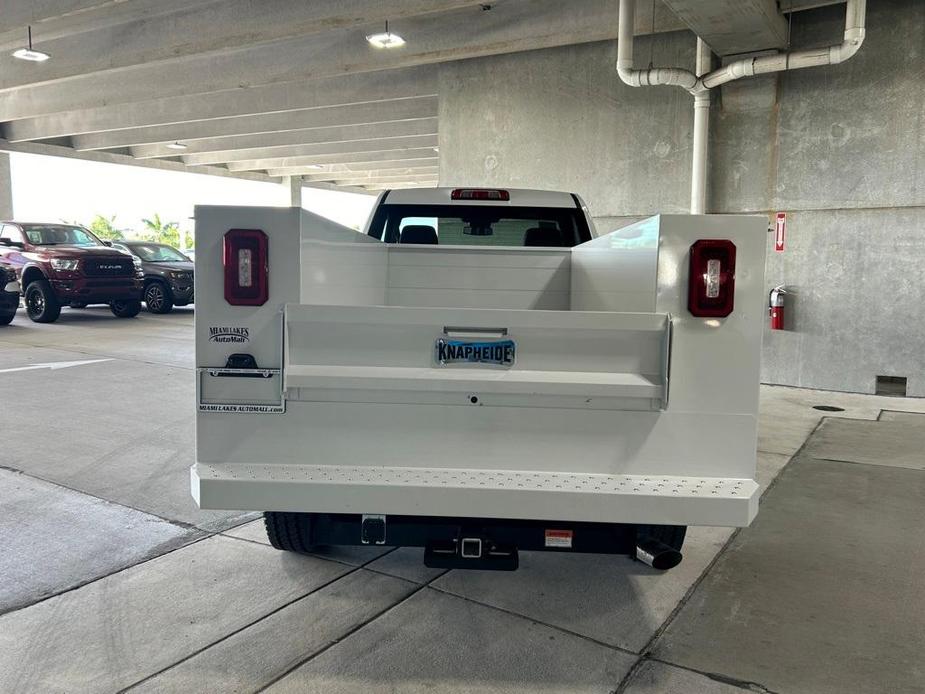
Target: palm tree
{"points": [[105, 227], [162, 232]]}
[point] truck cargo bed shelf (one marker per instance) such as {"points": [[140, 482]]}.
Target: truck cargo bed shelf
{"points": [[580, 383]]}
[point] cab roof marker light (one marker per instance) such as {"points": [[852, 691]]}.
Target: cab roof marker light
{"points": [[480, 194]]}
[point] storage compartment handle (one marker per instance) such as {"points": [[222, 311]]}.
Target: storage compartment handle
{"points": [[466, 330]]}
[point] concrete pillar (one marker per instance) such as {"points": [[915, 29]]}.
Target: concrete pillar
{"points": [[6, 187], [295, 190]]}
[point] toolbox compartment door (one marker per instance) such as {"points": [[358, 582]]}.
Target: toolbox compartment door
{"points": [[391, 354]]}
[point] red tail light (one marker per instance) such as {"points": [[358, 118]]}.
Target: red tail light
{"points": [[479, 194], [711, 288], [246, 267]]}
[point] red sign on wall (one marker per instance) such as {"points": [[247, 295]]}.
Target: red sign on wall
{"points": [[780, 229]]}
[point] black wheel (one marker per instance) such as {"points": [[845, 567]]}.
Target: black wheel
{"points": [[125, 309], [7, 317], [78, 304], [42, 306], [158, 298], [291, 532]]}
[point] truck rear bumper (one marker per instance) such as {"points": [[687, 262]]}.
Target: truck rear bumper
{"points": [[447, 492]]}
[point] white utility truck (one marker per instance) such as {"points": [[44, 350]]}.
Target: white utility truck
{"points": [[479, 373]]}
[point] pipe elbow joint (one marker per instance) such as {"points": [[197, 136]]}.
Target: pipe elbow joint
{"points": [[631, 78], [854, 39], [628, 75]]}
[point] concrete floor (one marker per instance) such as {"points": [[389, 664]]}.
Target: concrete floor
{"points": [[111, 579]]}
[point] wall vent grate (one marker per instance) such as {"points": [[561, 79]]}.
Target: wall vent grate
{"points": [[891, 385]]}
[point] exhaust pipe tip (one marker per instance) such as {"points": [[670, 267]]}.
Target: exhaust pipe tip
{"points": [[657, 554]]}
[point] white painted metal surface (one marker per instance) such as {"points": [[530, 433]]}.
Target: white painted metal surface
{"points": [[481, 493], [614, 381], [602, 359]]}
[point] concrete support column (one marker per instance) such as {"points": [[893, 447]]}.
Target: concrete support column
{"points": [[6, 187], [295, 190]]}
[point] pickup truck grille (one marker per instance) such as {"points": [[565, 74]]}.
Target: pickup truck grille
{"points": [[108, 267]]}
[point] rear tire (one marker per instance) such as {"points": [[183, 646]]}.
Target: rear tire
{"points": [[7, 318], [42, 306], [125, 309], [158, 298], [290, 532]]}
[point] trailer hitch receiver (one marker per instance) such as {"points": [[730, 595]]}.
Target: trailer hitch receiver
{"points": [[470, 553]]}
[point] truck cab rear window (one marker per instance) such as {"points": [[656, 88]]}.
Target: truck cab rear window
{"points": [[479, 225]]}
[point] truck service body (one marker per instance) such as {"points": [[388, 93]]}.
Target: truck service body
{"points": [[477, 373]]}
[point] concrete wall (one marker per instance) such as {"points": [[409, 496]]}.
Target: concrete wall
{"points": [[841, 149], [6, 188]]}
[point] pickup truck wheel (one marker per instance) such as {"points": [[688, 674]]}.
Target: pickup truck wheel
{"points": [[42, 306], [291, 532], [125, 309], [158, 298], [6, 318]]}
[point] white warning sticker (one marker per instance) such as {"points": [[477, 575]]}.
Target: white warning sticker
{"points": [[559, 538]]}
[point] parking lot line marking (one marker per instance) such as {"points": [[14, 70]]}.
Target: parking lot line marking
{"points": [[53, 365]]}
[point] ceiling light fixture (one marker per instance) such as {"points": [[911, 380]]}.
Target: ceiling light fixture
{"points": [[386, 39], [176, 145], [29, 53]]}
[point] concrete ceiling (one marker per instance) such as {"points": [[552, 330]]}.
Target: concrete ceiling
{"points": [[263, 89], [277, 88]]}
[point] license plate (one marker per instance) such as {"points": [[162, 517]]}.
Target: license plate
{"points": [[496, 352]]}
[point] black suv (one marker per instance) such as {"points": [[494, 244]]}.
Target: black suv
{"points": [[168, 274]]}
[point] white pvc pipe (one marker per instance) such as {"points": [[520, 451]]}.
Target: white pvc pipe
{"points": [[855, 18], [701, 136], [700, 84], [699, 155], [643, 78]]}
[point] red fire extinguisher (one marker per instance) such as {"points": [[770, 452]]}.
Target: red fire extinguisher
{"points": [[776, 307]]}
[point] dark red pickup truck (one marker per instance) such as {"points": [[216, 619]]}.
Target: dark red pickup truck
{"points": [[66, 265]]}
